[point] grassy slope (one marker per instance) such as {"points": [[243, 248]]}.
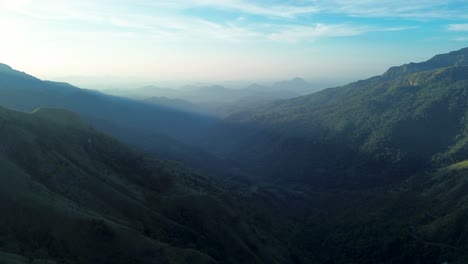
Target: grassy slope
{"points": [[74, 195]]}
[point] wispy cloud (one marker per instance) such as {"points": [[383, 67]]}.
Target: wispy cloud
{"points": [[178, 25], [408, 9], [247, 7], [458, 27], [295, 34], [464, 39], [389, 29], [200, 35]]}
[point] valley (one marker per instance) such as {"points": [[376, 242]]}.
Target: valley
{"points": [[371, 172]]}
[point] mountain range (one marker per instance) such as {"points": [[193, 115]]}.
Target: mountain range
{"points": [[153, 128], [371, 172], [217, 100]]}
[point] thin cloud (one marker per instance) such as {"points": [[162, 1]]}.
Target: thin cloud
{"points": [[246, 7], [408, 9], [169, 21], [458, 27], [460, 39], [294, 34], [399, 28]]}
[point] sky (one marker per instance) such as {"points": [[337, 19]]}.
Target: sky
{"points": [[107, 43]]}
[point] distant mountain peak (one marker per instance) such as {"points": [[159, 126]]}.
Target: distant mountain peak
{"points": [[294, 83], [6, 70]]}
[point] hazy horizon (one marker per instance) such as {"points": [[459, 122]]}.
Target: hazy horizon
{"points": [[116, 44], [106, 84]]}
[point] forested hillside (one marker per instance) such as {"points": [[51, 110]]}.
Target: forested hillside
{"points": [[410, 119], [70, 194]]}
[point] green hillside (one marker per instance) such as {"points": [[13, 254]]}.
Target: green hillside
{"points": [[381, 129], [73, 195]]}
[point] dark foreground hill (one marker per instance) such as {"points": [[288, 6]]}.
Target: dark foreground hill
{"points": [[69, 194], [380, 130]]}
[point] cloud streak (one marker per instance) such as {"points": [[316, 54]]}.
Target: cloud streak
{"points": [[408, 9], [178, 25], [294, 34], [244, 7], [458, 27], [181, 38]]}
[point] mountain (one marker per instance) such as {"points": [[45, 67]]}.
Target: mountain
{"points": [[371, 172], [70, 194], [380, 130], [454, 58], [153, 128], [220, 101], [295, 86], [75, 195]]}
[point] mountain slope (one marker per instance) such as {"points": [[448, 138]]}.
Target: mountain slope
{"points": [[74, 195], [454, 58], [136, 123], [376, 130]]}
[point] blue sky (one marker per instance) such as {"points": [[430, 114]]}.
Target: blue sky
{"points": [[131, 42]]}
